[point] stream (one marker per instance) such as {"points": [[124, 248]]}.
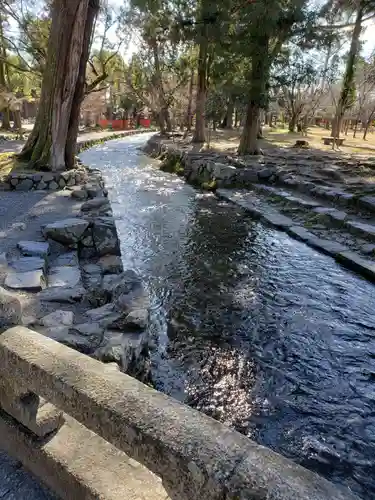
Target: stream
{"points": [[248, 325]]}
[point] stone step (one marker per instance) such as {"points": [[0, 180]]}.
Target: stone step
{"points": [[268, 214], [326, 215]]}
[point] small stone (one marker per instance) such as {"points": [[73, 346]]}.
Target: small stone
{"points": [[14, 181], [66, 259], [368, 249], [137, 319], [34, 248], [64, 276], [71, 181], [25, 264], [41, 185], [111, 264], [10, 310], [53, 186], [79, 194], [67, 231], [94, 204], [58, 318], [100, 313], [25, 185], [62, 183], [266, 173], [48, 177], [32, 281], [105, 236]]}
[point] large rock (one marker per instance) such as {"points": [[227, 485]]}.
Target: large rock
{"points": [[58, 318], [10, 310], [66, 259], [125, 349], [32, 281], [34, 248], [67, 231], [64, 276], [224, 172], [105, 237]]}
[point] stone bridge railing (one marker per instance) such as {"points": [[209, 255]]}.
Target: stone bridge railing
{"points": [[87, 438]]}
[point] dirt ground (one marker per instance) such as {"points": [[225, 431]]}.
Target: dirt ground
{"points": [[228, 140]]}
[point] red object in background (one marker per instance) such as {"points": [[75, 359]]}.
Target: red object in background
{"points": [[145, 122], [124, 124]]}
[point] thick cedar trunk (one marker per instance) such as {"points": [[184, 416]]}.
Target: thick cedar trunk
{"points": [[79, 95], [257, 99], [57, 119], [200, 110], [3, 83], [345, 95], [189, 113]]}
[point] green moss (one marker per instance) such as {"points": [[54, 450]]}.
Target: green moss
{"points": [[209, 186]]}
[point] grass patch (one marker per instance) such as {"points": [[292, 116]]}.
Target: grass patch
{"points": [[9, 163]]}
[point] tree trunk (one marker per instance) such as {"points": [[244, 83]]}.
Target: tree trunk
{"points": [[3, 83], [164, 120], [346, 97], [368, 123], [292, 123], [200, 109], [189, 113], [257, 98], [229, 115], [5, 124], [51, 145], [79, 95], [17, 125], [236, 118]]}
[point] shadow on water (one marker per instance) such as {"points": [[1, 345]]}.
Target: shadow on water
{"points": [[248, 325]]}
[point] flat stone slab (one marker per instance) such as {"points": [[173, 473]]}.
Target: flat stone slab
{"points": [[66, 259], [366, 230], [32, 281], [34, 248], [368, 202], [357, 263], [64, 276], [58, 318], [67, 231], [277, 220], [62, 294], [300, 233], [25, 264]]}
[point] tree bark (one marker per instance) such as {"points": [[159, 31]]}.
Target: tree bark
{"points": [[80, 91], [347, 87], [292, 123], [164, 117], [229, 114], [189, 113], [200, 109], [368, 123], [17, 125], [57, 119], [3, 83], [257, 98]]}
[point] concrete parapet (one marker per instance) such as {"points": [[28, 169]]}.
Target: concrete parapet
{"points": [[195, 456]]}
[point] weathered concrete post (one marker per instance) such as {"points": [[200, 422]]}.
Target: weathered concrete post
{"points": [[33, 412]]}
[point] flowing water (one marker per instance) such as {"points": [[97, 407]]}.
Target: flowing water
{"points": [[248, 325]]}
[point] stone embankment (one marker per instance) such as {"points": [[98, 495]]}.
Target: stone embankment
{"points": [[330, 219], [69, 283]]}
